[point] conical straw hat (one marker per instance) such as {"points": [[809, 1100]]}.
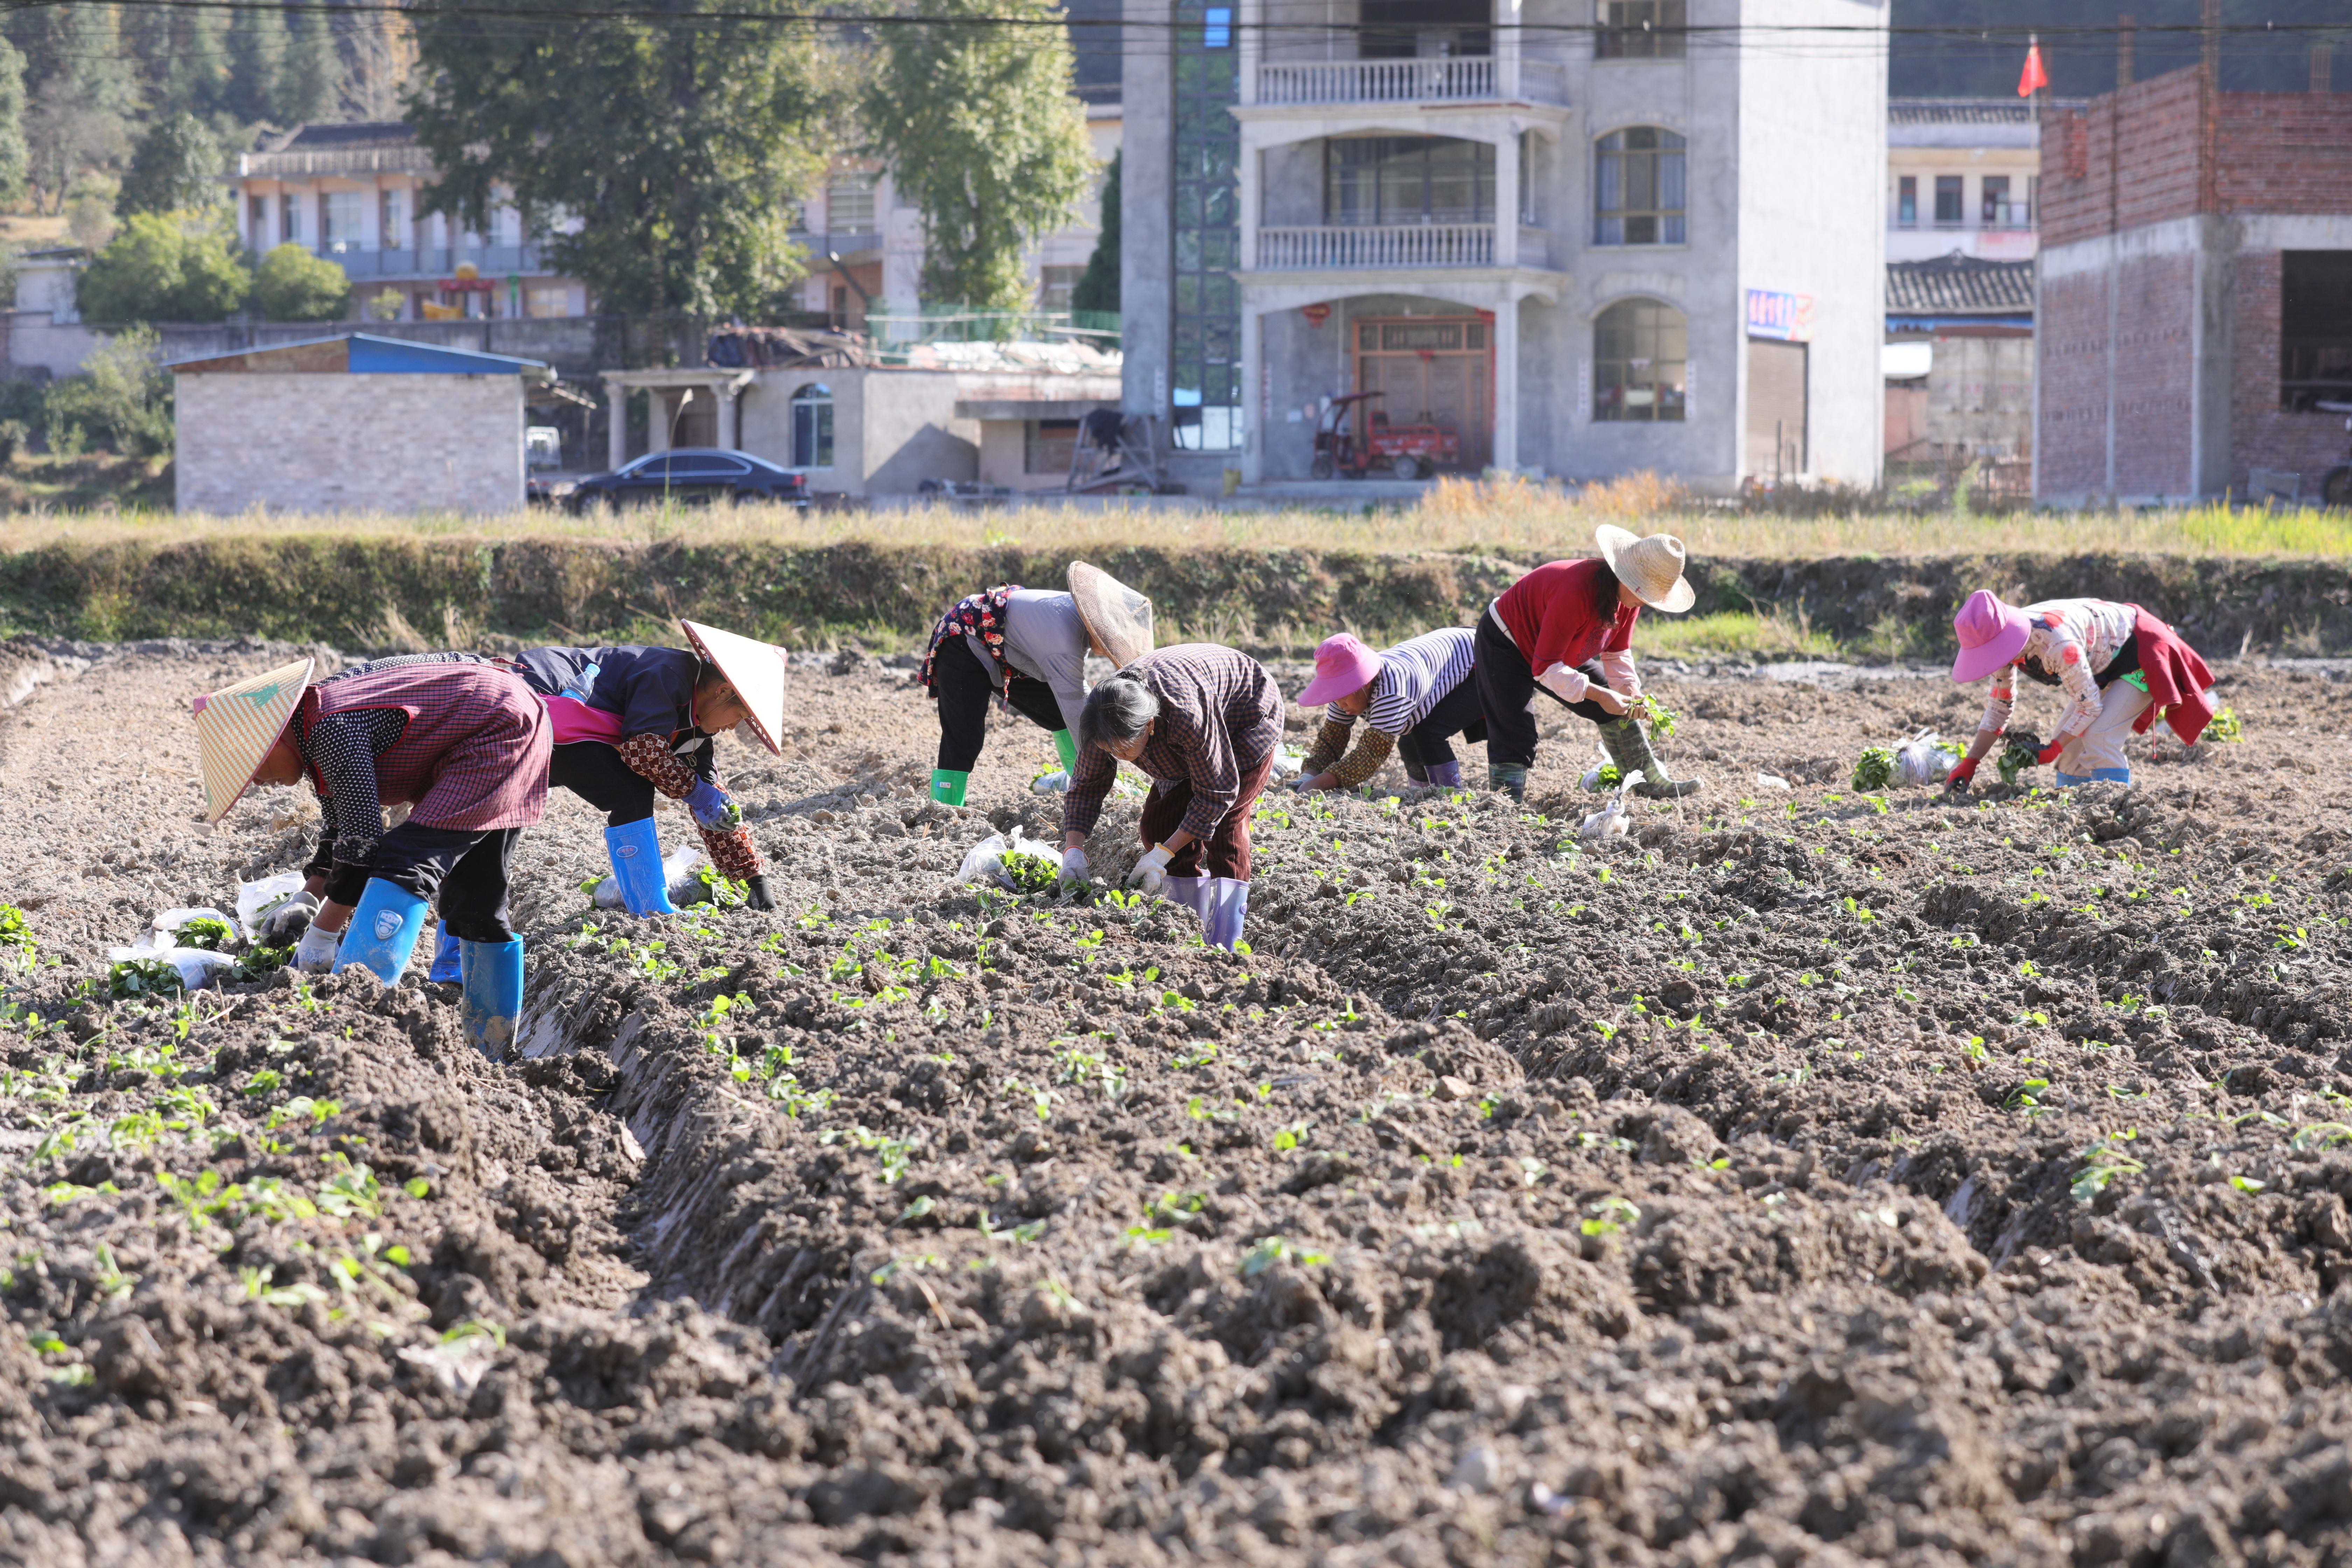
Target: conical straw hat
{"points": [[1651, 567], [236, 727], [1118, 617], [754, 669]]}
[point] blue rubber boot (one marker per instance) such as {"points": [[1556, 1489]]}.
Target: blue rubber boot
{"points": [[383, 930], [1228, 910], [493, 995], [635, 848], [445, 964]]}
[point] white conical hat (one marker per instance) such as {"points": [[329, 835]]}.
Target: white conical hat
{"points": [[1118, 617], [754, 669], [236, 727]]}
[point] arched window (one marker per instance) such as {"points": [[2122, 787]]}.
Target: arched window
{"points": [[1638, 352], [1637, 188], [812, 426]]}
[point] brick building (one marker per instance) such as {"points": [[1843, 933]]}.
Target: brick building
{"points": [[2196, 291]]}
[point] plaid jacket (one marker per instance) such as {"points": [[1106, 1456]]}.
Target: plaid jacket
{"points": [[1220, 716], [473, 753]]}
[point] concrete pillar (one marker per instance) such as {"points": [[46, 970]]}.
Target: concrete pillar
{"points": [[658, 411], [1507, 200], [1256, 416], [727, 396], [1507, 49], [1247, 164], [616, 431], [1248, 14], [1507, 383]]}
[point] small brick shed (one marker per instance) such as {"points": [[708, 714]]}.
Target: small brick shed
{"points": [[351, 423]]}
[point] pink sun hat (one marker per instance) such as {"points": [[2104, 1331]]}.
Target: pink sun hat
{"points": [[1342, 664], [1991, 634]]}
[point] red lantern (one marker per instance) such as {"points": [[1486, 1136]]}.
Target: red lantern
{"points": [[1315, 314]]}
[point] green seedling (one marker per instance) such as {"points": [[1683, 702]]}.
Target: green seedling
{"points": [[1874, 770], [2023, 751], [1662, 718], [2103, 1161], [1269, 1251], [1610, 1215], [130, 979], [17, 949], [1028, 874], [2227, 727], [723, 892], [204, 931]]}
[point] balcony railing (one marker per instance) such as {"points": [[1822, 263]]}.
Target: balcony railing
{"points": [[1346, 246], [2014, 217], [1471, 79], [360, 262]]}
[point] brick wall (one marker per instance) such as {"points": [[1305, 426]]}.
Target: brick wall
{"points": [[2156, 122], [2261, 434], [2284, 152], [2072, 445], [349, 443], [2154, 408]]}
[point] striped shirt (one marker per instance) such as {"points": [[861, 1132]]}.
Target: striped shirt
{"points": [[1219, 717], [2072, 641], [1415, 675]]}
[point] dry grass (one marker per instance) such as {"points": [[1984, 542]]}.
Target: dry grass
{"points": [[1462, 515]]}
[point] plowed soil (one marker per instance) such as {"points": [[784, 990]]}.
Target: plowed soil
{"points": [[1804, 1177]]}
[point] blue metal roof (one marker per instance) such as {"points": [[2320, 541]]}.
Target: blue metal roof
{"points": [[364, 354]]}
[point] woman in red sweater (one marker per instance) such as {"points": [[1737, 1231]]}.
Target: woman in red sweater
{"points": [[1568, 627]]}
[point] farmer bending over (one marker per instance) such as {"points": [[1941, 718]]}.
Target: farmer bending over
{"points": [[1414, 697], [634, 722], [463, 744], [1567, 627], [1203, 722], [1027, 649], [2120, 666]]}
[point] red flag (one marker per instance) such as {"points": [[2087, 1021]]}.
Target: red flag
{"points": [[2033, 75]]}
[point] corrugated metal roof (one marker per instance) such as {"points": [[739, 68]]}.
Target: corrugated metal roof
{"points": [[335, 138], [1960, 285], [359, 353]]}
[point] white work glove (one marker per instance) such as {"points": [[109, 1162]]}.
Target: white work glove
{"points": [[287, 919], [1304, 782], [315, 953], [1150, 872], [1074, 866], [1056, 783]]}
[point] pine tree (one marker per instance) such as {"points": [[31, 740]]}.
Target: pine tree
{"points": [[1098, 287], [257, 46], [309, 86], [16, 163]]}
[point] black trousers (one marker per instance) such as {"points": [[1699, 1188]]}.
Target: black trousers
{"points": [[963, 687], [596, 772], [1506, 695], [464, 871], [1458, 713]]}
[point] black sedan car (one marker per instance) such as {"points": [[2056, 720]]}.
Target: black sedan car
{"points": [[697, 475]]}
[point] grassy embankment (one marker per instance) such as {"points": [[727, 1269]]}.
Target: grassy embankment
{"points": [[1855, 584]]}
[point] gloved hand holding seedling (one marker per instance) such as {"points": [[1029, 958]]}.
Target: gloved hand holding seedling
{"points": [[2024, 751]]}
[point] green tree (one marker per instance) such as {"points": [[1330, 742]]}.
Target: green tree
{"points": [[256, 45], [177, 163], [166, 267], [702, 134], [1097, 288], [16, 158], [979, 128], [311, 82], [292, 285], [123, 398]]}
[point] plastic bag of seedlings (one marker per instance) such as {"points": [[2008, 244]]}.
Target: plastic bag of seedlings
{"points": [[1615, 818], [987, 863], [1602, 775], [1922, 761], [207, 929], [255, 899], [139, 971]]}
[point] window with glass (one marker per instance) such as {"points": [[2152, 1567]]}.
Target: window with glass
{"points": [[289, 217], [343, 210], [1907, 200], [1407, 179], [1423, 29], [1638, 188], [1948, 201], [392, 223], [1638, 351], [1204, 389], [812, 426], [1992, 200], [1641, 30], [849, 204]]}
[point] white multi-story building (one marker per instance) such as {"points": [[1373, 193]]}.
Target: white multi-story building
{"points": [[1589, 237], [351, 194], [1963, 176]]}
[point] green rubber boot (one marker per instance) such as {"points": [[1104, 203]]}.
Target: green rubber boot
{"points": [[1068, 744], [1628, 746], [947, 786], [1508, 778]]}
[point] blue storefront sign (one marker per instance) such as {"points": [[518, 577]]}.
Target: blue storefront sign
{"points": [[1788, 318]]}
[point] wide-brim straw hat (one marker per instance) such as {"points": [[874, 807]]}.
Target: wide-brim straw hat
{"points": [[237, 725], [1651, 567], [754, 669], [1117, 617]]}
